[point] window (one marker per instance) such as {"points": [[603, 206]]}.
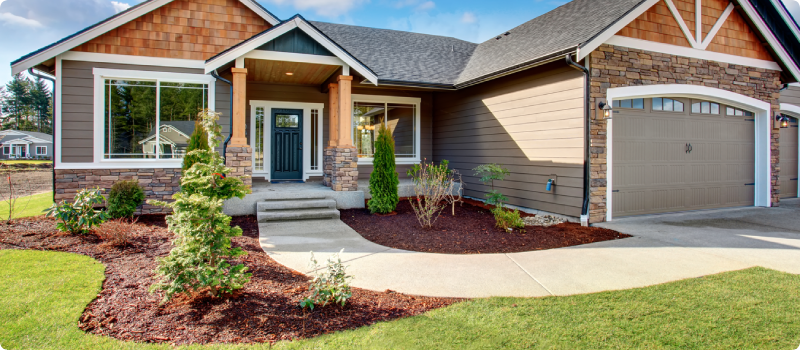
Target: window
{"points": [[6, 150], [637, 103], [400, 115], [705, 107], [667, 105], [41, 150], [738, 112]]}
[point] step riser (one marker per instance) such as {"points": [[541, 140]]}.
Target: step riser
{"points": [[301, 204], [296, 216]]}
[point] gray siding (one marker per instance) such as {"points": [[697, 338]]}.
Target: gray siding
{"points": [[791, 95], [77, 107], [531, 123]]}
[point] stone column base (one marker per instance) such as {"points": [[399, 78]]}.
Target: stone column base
{"points": [[240, 161], [341, 168]]}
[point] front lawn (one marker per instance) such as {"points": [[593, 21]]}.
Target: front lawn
{"points": [[26, 161], [33, 205], [42, 295]]}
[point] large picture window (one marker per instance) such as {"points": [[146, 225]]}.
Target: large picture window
{"points": [[150, 119], [400, 115]]}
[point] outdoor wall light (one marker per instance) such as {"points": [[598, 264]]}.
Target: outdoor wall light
{"points": [[289, 73], [782, 121], [607, 111]]}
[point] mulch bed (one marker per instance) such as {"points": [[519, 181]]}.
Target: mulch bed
{"points": [[266, 310], [471, 231]]}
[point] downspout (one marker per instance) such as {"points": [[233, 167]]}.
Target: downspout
{"points": [[586, 139], [31, 72], [230, 112]]}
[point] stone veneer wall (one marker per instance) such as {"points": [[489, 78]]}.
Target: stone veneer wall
{"points": [[158, 184], [341, 168], [615, 66], [240, 161]]}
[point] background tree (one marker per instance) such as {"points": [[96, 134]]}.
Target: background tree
{"points": [[383, 181], [16, 103], [41, 105]]}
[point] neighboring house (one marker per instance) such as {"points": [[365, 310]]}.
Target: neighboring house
{"points": [[25, 145], [694, 86]]}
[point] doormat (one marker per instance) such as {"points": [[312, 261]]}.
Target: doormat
{"points": [[287, 182]]}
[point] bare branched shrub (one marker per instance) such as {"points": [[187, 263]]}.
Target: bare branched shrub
{"points": [[435, 187], [117, 233], [17, 194]]}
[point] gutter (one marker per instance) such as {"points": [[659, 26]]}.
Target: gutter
{"points": [[586, 139], [230, 113], [31, 72]]}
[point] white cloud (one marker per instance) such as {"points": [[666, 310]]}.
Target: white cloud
{"points": [[120, 6], [14, 20], [468, 17], [326, 8], [425, 6]]}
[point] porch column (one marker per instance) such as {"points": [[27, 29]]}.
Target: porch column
{"points": [[239, 155], [341, 157], [333, 134]]}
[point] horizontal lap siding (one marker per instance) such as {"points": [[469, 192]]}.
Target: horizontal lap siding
{"points": [[791, 95], [531, 123], [77, 107]]}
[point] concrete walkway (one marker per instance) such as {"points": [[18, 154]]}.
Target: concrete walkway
{"points": [[665, 248]]}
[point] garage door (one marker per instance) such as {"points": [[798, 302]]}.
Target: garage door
{"points": [[673, 154], [788, 156]]}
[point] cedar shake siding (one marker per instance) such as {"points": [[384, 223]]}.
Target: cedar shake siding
{"points": [[791, 95], [257, 91], [77, 114], [531, 123]]}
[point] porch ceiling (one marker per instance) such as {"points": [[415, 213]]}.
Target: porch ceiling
{"points": [[275, 72]]}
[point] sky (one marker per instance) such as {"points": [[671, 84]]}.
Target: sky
{"points": [[27, 25]]}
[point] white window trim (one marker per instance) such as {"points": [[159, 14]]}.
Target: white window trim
{"points": [[416, 101], [763, 128], [306, 107], [100, 75], [41, 154]]}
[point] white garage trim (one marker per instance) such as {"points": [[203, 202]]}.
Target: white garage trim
{"points": [[794, 112], [763, 125]]}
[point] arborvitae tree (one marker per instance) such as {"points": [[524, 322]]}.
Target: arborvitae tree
{"points": [[197, 141], [384, 180], [202, 231]]}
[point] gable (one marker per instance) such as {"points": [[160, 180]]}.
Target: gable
{"points": [[674, 22], [296, 41], [183, 29]]}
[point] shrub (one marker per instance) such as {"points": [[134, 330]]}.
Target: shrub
{"points": [[383, 181], [79, 216], [488, 173], [203, 232], [435, 187], [329, 287], [124, 198], [507, 219], [117, 233], [197, 141], [17, 193]]}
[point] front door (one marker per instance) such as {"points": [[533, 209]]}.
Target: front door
{"points": [[287, 144]]}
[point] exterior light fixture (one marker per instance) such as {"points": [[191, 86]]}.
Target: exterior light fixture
{"points": [[289, 73], [782, 121], [607, 111]]}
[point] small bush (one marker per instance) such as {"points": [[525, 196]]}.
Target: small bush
{"points": [[383, 181], [435, 187], [507, 219], [117, 233], [79, 216], [124, 198], [197, 141], [332, 286], [488, 173]]}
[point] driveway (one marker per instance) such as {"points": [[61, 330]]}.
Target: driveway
{"points": [[664, 248]]}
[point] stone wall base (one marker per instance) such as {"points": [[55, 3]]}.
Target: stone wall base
{"points": [[158, 184], [341, 168], [240, 161]]}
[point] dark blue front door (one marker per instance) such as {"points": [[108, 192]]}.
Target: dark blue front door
{"points": [[287, 144]]}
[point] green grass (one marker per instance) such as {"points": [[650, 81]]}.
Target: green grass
{"points": [[26, 161], [42, 294], [37, 204]]}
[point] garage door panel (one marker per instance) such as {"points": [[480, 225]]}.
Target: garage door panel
{"points": [[788, 160], [654, 173]]}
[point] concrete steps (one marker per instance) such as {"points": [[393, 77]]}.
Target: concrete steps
{"points": [[314, 208]]}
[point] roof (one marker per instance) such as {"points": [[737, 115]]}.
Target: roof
{"points": [[403, 56], [32, 136], [564, 28], [185, 127]]}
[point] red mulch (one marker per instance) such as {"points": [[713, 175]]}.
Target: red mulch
{"points": [[266, 310], [471, 231]]}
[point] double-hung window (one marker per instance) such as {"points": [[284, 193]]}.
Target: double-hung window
{"points": [[148, 115], [41, 150], [401, 115]]}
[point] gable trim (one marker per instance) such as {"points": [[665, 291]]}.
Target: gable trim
{"points": [[108, 25], [773, 42], [246, 47]]}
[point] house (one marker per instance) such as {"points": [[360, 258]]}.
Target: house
{"points": [[25, 144], [628, 107]]}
